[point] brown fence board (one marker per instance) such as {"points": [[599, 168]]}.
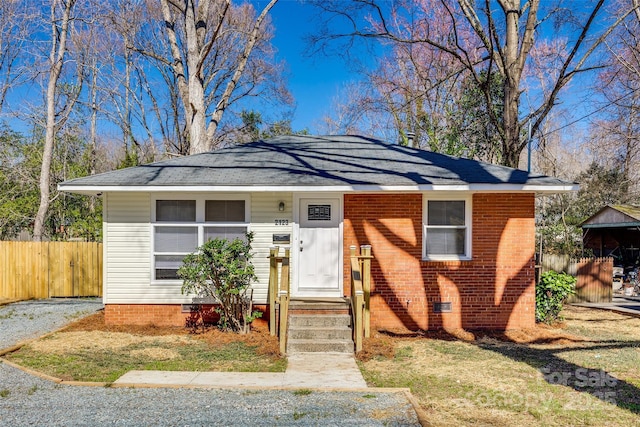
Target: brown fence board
{"points": [[594, 276], [595, 280], [56, 271], [559, 263], [68, 265], [50, 269]]}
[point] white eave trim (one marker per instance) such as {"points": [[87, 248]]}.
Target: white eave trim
{"points": [[93, 190]]}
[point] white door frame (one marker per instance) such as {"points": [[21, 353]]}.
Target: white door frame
{"points": [[295, 244]]}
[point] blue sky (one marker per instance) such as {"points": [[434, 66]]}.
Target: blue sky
{"points": [[313, 81], [316, 81]]}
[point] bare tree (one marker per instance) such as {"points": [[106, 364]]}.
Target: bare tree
{"points": [[615, 134], [208, 45], [124, 82], [483, 39], [56, 112], [15, 17]]}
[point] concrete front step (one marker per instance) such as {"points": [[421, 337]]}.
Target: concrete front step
{"points": [[319, 320], [319, 345], [318, 306], [322, 333], [319, 325]]}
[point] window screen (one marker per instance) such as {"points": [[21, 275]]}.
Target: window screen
{"points": [[176, 210], [167, 266], [176, 239], [229, 233], [445, 241], [224, 211], [446, 228], [446, 212]]}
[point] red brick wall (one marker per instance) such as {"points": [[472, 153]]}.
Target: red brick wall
{"points": [[494, 290], [154, 314], [144, 314]]}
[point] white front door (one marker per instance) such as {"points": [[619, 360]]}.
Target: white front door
{"points": [[319, 256]]}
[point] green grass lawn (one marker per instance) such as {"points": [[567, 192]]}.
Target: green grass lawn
{"points": [[586, 373], [94, 352]]}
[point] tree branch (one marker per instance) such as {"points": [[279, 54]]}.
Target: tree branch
{"points": [[204, 53], [224, 99]]}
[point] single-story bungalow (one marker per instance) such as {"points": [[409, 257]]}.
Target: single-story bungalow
{"points": [[442, 229]]}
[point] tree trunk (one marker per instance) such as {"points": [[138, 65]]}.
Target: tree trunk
{"points": [[56, 58], [511, 148], [198, 142], [231, 85]]}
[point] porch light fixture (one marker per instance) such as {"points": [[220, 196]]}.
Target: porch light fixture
{"points": [[281, 206]]}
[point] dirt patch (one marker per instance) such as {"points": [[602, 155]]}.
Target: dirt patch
{"points": [[259, 336], [378, 346], [66, 342], [383, 343], [95, 322], [156, 353]]}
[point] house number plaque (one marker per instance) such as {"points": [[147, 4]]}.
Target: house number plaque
{"points": [[282, 222]]}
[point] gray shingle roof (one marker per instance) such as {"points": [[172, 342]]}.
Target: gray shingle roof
{"points": [[310, 161]]}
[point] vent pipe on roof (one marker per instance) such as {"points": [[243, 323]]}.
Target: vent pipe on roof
{"points": [[410, 138]]}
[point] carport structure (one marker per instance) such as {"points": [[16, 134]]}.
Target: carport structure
{"points": [[614, 231]]}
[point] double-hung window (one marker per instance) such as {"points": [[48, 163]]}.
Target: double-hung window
{"points": [[447, 228], [181, 226]]}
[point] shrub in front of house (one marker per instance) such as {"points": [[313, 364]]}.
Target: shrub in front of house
{"points": [[221, 270], [552, 291]]}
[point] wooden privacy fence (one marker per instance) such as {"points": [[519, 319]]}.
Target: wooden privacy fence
{"points": [[50, 269], [559, 263], [594, 276], [595, 280]]}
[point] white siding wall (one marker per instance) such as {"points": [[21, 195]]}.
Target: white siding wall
{"points": [[264, 212], [128, 253], [128, 247]]}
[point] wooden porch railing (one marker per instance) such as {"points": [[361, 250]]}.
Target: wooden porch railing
{"points": [[279, 294], [360, 293]]}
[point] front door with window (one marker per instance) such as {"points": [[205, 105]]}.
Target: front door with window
{"points": [[319, 256]]}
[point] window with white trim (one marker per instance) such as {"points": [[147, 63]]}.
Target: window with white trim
{"points": [[181, 226], [446, 228]]}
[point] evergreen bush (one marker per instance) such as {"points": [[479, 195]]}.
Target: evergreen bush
{"points": [[221, 270], [552, 291]]}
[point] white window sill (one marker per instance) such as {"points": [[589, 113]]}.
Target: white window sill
{"points": [[168, 282], [446, 258]]}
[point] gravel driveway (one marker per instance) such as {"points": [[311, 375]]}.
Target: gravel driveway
{"points": [[28, 400], [30, 319], [33, 401]]}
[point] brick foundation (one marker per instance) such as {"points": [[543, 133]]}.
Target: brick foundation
{"points": [[495, 290], [157, 314]]}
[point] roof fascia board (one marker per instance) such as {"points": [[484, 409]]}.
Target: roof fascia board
{"points": [[84, 189], [612, 225]]}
